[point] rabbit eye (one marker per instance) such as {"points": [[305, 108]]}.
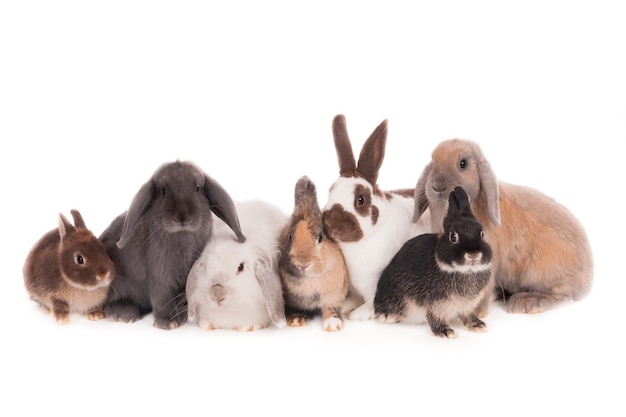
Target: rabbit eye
{"points": [[80, 260], [319, 238], [163, 191], [197, 188], [453, 237], [240, 267], [361, 200], [482, 234], [290, 237], [463, 164]]}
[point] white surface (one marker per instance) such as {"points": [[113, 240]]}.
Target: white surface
{"points": [[94, 97]]}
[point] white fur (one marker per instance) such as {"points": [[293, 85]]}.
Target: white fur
{"points": [[244, 306], [367, 257], [332, 324], [461, 268]]}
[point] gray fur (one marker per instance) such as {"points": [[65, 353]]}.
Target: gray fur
{"points": [[155, 243]]}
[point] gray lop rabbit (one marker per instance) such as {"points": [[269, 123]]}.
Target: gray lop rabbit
{"points": [[155, 243]]}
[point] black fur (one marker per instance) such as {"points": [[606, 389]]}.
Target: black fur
{"points": [[414, 275]]}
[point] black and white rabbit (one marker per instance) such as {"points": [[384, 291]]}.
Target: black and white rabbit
{"points": [[444, 275], [155, 243]]}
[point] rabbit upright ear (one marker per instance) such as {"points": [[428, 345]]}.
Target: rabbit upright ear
{"points": [[421, 201], [78, 219], [306, 198], [138, 205], [65, 227], [373, 153], [345, 155], [489, 184], [459, 201], [271, 288]]}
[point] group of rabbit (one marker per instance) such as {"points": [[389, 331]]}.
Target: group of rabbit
{"points": [[437, 253]]}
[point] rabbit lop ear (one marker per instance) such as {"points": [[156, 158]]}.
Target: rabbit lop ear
{"points": [[138, 206], [272, 290], [306, 198], [222, 206], [489, 184], [79, 223], [345, 155], [421, 201], [373, 153], [65, 227]]}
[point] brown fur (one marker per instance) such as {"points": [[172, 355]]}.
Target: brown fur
{"points": [[55, 280], [541, 254], [311, 266]]}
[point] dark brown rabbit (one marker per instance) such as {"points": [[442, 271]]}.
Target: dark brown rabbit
{"points": [[69, 271], [155, 243], [311, 266]]}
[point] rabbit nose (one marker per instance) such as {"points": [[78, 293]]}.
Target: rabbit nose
{"points": [[217, 293], [439, 188], [473, 256], [302, 267], [183, 218]]}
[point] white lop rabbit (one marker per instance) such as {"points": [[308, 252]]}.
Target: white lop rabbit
{"points": [[370, 225], [235, 285]]}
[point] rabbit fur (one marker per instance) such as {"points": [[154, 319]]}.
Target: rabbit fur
{"points": [[444, 276], [541, 254], [311, 266], [68, 270], [369, 225], [157, 240], [235, 285]]}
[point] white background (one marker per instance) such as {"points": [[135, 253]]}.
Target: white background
{"points": [[94, 96]]}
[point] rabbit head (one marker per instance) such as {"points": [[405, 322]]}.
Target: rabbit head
{"points": [[83, 260], [178, 193], [463, 247], [353, 206], [300, 250], [235, 285], [456, 163]]}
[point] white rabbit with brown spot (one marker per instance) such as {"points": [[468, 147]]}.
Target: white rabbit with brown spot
{"points": [[541, 254], [69, 271], [311, 265], [369, 225]]}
